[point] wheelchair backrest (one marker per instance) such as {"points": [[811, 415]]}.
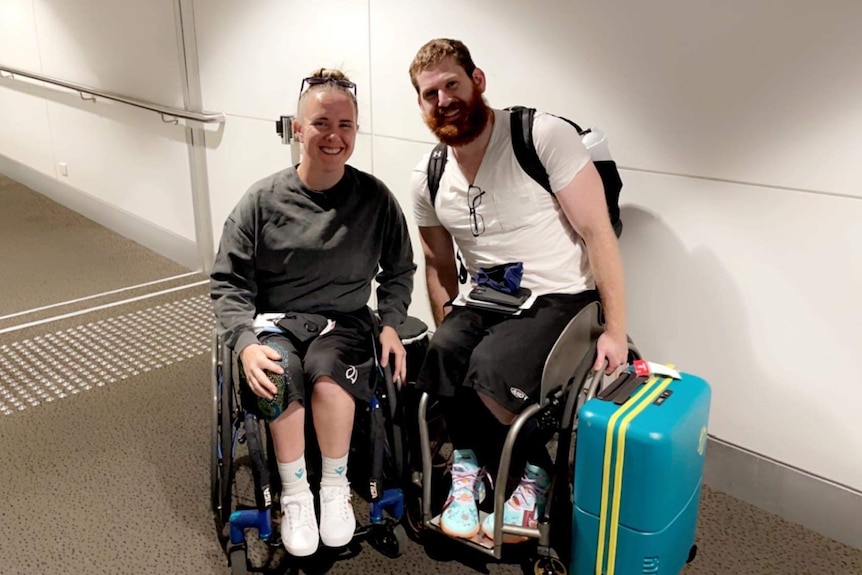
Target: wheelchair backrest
{"points": [[574, 349]]}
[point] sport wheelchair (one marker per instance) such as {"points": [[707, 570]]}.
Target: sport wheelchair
{"points": [[568, 381], [245, 484]]}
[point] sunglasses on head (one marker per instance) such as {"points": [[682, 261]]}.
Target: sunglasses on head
{"points": [[318, 80]]}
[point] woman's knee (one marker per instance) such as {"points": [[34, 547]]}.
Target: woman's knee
{"points": [[327, 390], [290, 385]]}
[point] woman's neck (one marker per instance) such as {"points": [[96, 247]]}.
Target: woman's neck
{"points": [[318, 181]]}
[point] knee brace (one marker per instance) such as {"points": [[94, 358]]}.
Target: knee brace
{"points": [[290, 385]]}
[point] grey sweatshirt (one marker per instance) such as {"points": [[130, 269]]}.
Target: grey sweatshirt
{"points": [[287, 248]]}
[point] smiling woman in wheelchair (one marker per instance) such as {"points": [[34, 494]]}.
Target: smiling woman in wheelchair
{"points": [[290, 286]]}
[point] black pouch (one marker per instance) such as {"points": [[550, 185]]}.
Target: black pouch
{"points": [[302, 327], [489, 295]]}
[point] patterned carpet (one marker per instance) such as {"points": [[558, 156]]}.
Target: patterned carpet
{"points": [[105, 431]]}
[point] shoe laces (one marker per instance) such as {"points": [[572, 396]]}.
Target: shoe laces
{"points": [[337, 499], [468, 479], [296, 510], [529, 492]]}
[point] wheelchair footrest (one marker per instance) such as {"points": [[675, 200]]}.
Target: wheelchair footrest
{"points": [[392, 501], [250, 518]]}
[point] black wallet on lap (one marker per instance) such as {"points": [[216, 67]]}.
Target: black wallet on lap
{"points": [[489, 295]]}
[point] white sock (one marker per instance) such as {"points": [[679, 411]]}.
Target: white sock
{"points": [[294, 476], [334, 471]]}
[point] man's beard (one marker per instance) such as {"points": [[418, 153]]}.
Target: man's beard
{"points": [[471, 120]]}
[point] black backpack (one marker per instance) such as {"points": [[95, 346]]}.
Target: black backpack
{"points": [[521, 119]]}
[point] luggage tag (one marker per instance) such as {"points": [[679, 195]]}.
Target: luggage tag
{"points": [[645, 368]]}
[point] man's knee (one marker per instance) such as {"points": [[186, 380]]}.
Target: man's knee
{"points": [[499, 412]]}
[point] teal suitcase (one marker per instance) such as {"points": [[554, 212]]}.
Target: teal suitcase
{"points": [[638, 470]]}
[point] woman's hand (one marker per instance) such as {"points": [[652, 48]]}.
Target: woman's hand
{"points": [[256, 360], [390, 344]]}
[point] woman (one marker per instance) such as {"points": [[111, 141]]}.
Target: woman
{"points": [[290, 287]]}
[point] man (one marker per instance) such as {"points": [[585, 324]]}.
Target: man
{"points": [[498, 215], [289, 287]]}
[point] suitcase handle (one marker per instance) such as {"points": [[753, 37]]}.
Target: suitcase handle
{"points": [[622, 389]]}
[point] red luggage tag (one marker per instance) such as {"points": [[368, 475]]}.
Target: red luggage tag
{"points": [[641, 367], [645, 368]]}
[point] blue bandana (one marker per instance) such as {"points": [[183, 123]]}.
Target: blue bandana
{"points": [[505, 277]]}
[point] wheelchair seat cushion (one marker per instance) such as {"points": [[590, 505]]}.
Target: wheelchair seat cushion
{"points": [[413, 328]]}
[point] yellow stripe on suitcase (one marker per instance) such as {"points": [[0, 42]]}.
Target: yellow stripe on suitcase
{"points": [[639, 402], [606, 472]]}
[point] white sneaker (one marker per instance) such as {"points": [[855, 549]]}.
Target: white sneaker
{"points": [[298, 524], [337, 522]]}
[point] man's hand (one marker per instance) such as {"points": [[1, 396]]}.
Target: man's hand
{"points": [[390, 343], [256, 361], [613, 349]]}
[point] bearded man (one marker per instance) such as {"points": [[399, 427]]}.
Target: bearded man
{"points": [[485, 367]]}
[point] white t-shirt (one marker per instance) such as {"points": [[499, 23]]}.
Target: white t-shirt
{"points": [[517, 219]]}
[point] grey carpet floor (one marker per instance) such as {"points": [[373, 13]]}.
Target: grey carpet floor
{"points": [[105, 423], [51, 254]]}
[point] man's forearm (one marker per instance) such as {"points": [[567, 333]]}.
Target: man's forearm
{"points": [[607, 267], [441, 289]]}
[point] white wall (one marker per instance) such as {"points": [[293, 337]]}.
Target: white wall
{"points": [[123, 156], [736, 123], [253, 57]]}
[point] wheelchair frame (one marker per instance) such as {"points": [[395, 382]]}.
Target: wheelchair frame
{"points": [[565, 387], [233, 424]]}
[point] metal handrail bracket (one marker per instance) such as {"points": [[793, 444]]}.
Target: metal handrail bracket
{"points": [[168, 114]]}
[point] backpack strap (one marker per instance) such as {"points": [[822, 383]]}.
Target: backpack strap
{"points": [[436, 165], [521, 120]]}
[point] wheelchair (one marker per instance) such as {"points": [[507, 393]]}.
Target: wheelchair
{"points": [[245, 484], [568, 381]]}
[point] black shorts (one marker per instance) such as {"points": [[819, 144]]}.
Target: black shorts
{"points": [[346, 354], [498, 355]]}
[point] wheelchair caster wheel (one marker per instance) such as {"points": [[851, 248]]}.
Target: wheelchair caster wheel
{"points": [[238, 564], [549, 566], [389, 540], [692, 553]]}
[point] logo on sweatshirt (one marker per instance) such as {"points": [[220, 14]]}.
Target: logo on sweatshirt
{"points": [[351, 374]]}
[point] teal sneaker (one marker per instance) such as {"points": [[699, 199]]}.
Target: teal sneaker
{"points": [[460, 517], [525, 506]]}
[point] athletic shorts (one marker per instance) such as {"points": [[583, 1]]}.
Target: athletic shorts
{"points": [[498, 355], [345, 353]]}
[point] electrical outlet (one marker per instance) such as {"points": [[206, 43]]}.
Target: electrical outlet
{"points": [[64, 169]]}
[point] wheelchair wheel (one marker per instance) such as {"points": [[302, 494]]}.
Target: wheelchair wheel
{"points": [[222, 435], [389, 539], [215, 430], [549, 566], [238, 561]]}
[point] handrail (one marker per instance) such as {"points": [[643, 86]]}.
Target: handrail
{"points": [[164, 111]]}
